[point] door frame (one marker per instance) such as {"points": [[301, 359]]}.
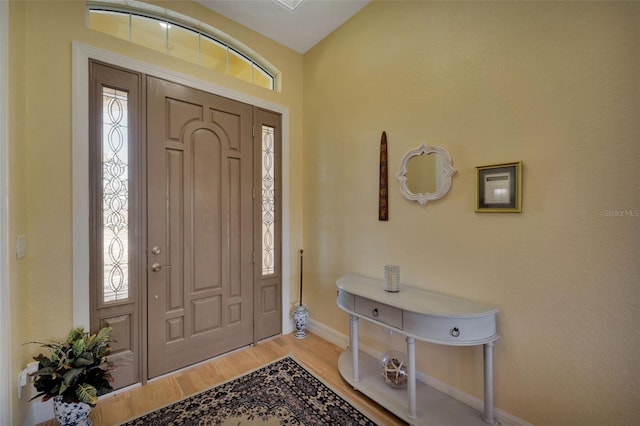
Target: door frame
{"points": [[6, 373], [81, 53]]}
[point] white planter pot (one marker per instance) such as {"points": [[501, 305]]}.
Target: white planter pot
{"points": [[71, 414]]}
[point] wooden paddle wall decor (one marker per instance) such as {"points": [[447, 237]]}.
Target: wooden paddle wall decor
{"points": [[383, 200]]}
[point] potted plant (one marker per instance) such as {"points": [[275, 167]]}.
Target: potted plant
{"points": [[74, 374]]}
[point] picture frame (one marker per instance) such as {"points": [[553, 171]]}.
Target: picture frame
{"points": [[499, 188]]}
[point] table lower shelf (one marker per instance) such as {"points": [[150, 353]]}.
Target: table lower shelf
{"points": [[434, 407]]}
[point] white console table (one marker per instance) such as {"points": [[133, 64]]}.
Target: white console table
{"points": [[418, 315]]}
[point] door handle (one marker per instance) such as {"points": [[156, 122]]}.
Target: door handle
{"points": [[156, 267]]}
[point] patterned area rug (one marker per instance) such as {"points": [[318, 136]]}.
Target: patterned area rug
{"points": [[281, 393]]}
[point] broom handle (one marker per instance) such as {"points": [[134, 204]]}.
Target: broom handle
{"points": [[301, 277]]}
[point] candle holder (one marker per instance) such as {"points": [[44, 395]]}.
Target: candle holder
{"points": [[391, 278]]}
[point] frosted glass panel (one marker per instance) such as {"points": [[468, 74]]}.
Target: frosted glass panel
{"points": [[115, 194], [149, 33], [268, 200], [261, 78], [239, 66], [114, 23], [184, 44], [213, 55]]}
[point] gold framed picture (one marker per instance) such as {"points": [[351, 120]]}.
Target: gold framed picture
{"points": [[499, 188]]}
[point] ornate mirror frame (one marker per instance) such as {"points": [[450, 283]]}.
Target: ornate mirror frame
{"points": [[446, 172]]}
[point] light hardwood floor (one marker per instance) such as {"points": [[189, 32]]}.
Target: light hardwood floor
{"points": [[318, 355]]}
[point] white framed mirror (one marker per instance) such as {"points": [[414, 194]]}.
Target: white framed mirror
{"points": [[425, 174]]}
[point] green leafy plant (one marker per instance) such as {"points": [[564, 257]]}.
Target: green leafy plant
{"points": [[76, 369]]}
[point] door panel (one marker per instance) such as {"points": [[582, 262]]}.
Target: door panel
{"points": [[116, 243], [200, 208], [268, 224]]}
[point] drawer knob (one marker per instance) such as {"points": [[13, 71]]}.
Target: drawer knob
{"points": [[455, 331], [375, 312]]}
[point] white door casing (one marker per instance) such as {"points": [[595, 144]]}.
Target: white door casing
{"points": [[6, 411]]}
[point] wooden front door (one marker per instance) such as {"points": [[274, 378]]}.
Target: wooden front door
{"points": [[185, 222], [200, 216]]}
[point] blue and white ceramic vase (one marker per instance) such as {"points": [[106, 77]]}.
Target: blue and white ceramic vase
{"points": [[300, 318], [71, 413]]}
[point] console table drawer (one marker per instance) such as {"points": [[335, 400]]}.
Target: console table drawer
{"points": [[346, 300], [379, 312], [450, 330]]}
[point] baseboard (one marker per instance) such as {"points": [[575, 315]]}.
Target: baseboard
{"points": [[38, 412], [342, 341]]}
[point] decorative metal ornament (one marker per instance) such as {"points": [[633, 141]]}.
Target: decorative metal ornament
{"points": [[383, 202]]}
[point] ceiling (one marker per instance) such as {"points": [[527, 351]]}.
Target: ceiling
{"points": [[298, 24]]}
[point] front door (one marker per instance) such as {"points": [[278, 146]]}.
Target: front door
{"points": [[200, 213], [185, 222]]}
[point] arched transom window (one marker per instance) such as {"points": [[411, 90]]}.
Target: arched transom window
{"points": [[174, 37]]}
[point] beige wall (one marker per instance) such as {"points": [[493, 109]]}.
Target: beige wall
{"points": [[41, 180], [18, 275], [552, 84]]}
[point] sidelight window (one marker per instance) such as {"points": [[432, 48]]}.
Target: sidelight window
{"points": [[115, 195], [268, 200]]}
